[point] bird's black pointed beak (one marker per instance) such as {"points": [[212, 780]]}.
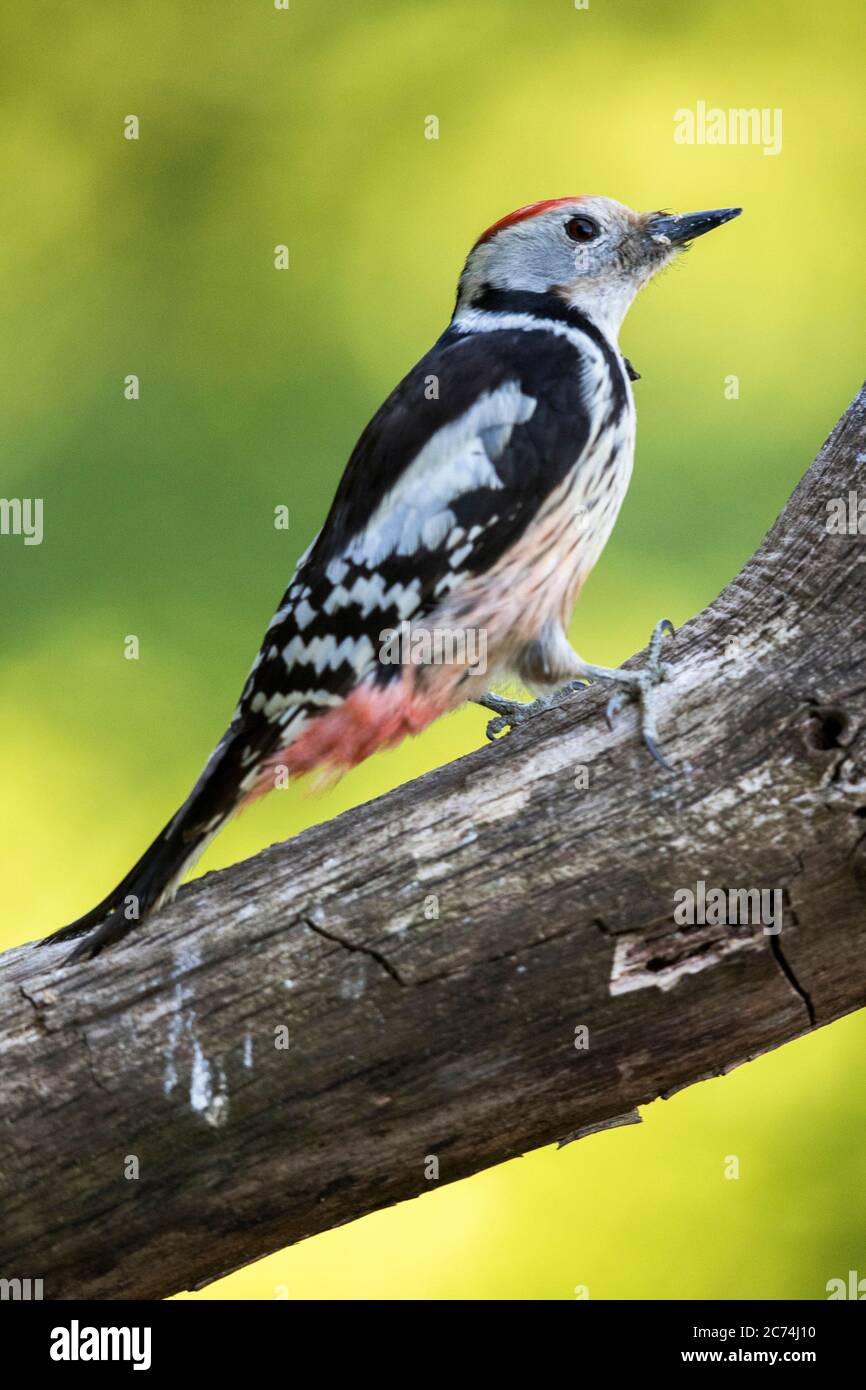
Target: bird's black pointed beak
{"points": [[668, 228]]}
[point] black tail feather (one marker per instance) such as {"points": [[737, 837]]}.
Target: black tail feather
{"points": [[144, 887], [158, 872], [130, 886]]}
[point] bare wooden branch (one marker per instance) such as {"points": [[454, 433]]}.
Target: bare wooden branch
{"points": [[431, 954]]}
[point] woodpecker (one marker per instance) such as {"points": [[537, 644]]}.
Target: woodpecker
{"points": [[478, 498]]}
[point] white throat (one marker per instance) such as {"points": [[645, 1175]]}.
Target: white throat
{"points": [[606, 303]]}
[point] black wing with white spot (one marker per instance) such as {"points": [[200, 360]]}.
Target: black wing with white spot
{"points": [[445, 478]]}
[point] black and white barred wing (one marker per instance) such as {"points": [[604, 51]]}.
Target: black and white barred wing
{"points": [[446, 477]]}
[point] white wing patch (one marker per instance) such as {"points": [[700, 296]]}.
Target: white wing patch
{"points": [[457, 459], [324, 653]]}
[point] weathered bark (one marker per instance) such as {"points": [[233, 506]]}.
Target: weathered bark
{"points": [[454, 1036]]}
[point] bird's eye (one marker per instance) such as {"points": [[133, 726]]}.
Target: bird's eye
{"points": [[581, 229]]}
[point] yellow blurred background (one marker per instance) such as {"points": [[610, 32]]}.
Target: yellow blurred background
{"points": [[306, 127]]}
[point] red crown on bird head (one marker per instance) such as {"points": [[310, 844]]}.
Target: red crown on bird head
{"points": [[521, 215]]}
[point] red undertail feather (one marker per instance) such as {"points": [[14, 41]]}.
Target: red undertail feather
{"points": [[370, 719]]}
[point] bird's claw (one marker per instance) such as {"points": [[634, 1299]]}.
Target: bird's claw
{"points": [[663, 628], [509, 713], [497, 726], [639, 685], [614, 705]]}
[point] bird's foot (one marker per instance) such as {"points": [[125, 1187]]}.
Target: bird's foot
{"points": [[639, 686], [635, 686], [511, 713]]}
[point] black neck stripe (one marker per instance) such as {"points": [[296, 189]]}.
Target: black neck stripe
{"points": [[540, 306], [552, 307]]}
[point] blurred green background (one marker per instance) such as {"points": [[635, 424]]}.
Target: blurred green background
{"points": [[155, 257]]}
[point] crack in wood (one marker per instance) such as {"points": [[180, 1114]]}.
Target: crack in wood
{"points": [[785, 967], [356, 948]]}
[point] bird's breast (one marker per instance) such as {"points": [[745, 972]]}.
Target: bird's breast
{"points": [[596, 489]]}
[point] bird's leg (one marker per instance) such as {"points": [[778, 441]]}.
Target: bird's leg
{"points": [[631, 685]]}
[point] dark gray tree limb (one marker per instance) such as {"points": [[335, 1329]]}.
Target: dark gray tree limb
{"points": [[413, 1035]]}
